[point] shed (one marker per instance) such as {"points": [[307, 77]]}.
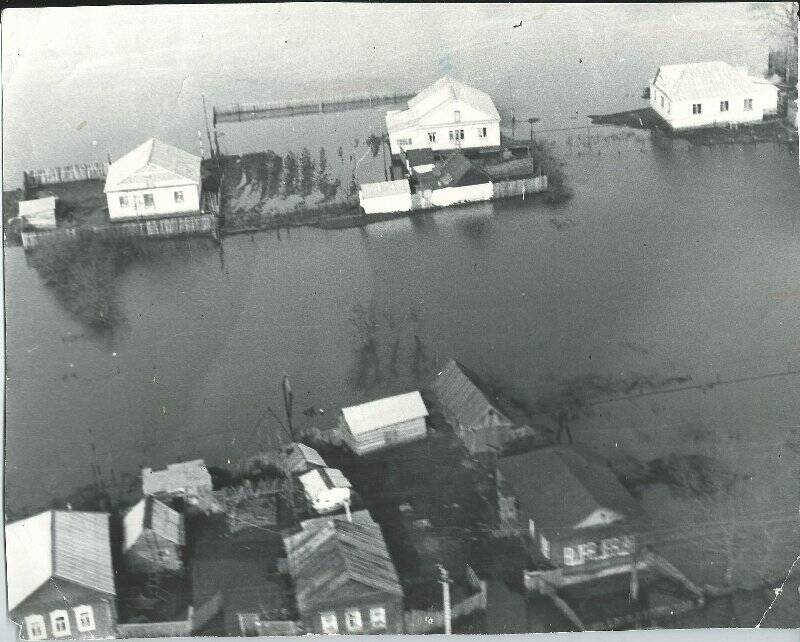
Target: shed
{"points": [[154, 537], [383, 422], [181, 479], [39, 213], [385, 197], [327, 489], [301, 458]]}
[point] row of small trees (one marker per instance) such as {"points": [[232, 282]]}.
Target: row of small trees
{"points": [[294, 174]]}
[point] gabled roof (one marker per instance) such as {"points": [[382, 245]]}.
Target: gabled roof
{"points": [[151, 514], [358, 517], [417, 157], [300, 458], [697, 80], [315, 482], [444, 90], [559, 487], [455, 171], [463, 396], [67, 545], [163, 164], [325, 556], [384, 412], [185, 476]]}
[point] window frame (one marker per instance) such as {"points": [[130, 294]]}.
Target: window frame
{"points": [[574, 556], [748, 104], [697, 109], [151, 198], [84, 609], [373, 611], [456, 115], [431, 137], [359, 621], [332, 619], [123, 201], [544, 546], [55, 615], [35, 620], [724, 105], [177, 196], [482, 132]]}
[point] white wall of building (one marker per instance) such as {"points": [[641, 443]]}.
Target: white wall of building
{"points": [[163, 202], [420, 139], [466, 194], [680, 115], [386, 204]]}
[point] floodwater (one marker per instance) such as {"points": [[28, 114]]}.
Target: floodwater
{"points": [[670, 261]]}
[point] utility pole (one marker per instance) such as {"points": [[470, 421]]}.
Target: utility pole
{"points": [[208, 131], [444, 580], [287, 404]]}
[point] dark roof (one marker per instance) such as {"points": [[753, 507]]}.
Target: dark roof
{"points": [[559, 487], [416, 157], [458, 171], [324, 557], [300, 458], [248, 507]]}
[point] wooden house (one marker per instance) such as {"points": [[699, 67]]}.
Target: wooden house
{"points": [[153, 180], [485, 420], [446, 115], [177, 480], [301, 458], [60, 577], [573, 510], [384, 422], [344, 580], [326, 489], [703, 94], [154, 537]]}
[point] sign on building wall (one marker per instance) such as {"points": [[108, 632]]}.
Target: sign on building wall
{"points": [[608, 548]]}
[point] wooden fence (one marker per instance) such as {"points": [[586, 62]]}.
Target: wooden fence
{"points": [[154, 228], [66, 174], [519, 187], [419, 621], [195, 620]]}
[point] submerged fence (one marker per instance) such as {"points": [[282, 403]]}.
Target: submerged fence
{"points": [[66, 174], [302, 107]]}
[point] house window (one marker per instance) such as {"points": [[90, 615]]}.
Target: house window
{"points": [[456, 134], [123, 201], [662, 101], [352, 620], [59, 623], [697, 108], [532, 528], [179, 197], [457, 116], [377, 617], [571, 557], [148, 200], [34, 626], [84, 616], [544, 545], [329, 623], [481, 132], [748, 104], [723, 105], [431, 137]]}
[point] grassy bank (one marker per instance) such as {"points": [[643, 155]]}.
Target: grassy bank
{"points": [[82, 272]]}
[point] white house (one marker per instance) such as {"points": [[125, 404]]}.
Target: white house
{"points": [[384, 422], [39, 213], [709, 93], [386, 196], [327, 489], [153, 180], [446, 115]]}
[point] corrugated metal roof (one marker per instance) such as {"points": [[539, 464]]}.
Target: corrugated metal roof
{"points": [[384, 412], [301, 457], [327, 555], [444, 90], [70, 545], [559, 487], [181, 167], [384, 188], [699, 80], [181, 477]]}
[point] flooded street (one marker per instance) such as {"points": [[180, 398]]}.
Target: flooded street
{"points": [[671, 263]]}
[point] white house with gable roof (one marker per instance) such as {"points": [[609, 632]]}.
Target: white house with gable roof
{"points": [[701, 94], [153, 180], [446, 115]]}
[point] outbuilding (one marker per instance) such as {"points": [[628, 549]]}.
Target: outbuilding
{"points": [[384, 422], [703, 94], [326, 489], [154, 537], [385, 197], [39, 213]]}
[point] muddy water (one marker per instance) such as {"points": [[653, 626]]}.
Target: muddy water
{"points": [[670, 262]]}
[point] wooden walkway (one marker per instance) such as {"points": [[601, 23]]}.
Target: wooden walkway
{"points": [[304, 107]]}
